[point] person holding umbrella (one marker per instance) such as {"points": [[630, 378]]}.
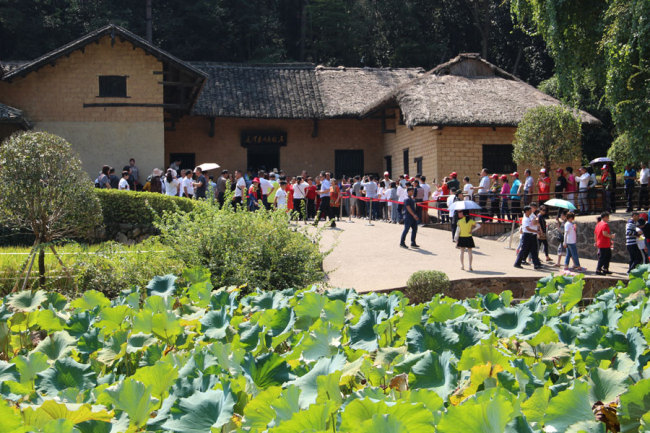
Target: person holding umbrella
{"points": [[608, 189], [465, 241]]}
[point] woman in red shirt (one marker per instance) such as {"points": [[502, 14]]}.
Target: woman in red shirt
{"points": [[544, 186]]}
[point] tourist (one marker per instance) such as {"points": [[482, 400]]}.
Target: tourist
{"points": [[640, 242], [370, 191], [427, 196], [515, 196], [643, 184], [153, 183], [603, 241], [453, 197], [542, 236], [632, 233], [201, 185], [280, 198], [172, 185], [483, 189], [266, 188], [135, 173], [240, 188], [529, 227], [387, 180], [275, 186], [645, 229], [115, 181], [443, 213], [608, 192], [254, 195], [544, 186], [505, 193], [345, 195], [630, 181], [103, 181], [410, 220], [299, 193], [570, 243], [419, 197], [571, 186], [394, 198], [465, 241], [289, 191], [187, 184], [528, 187], [324, 194], [453, 183], [402, 195], [559, 238], [495, 191], [357, 203], [220, 189], [129, 178], [583, 187], [335, 199], [387, 201], [175, 166], [591, 188], [468, 188], [124, 182], [560, 184]]}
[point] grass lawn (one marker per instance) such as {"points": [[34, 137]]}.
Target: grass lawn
{"points": [[107, 265]]}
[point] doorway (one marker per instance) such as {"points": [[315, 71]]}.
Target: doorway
{"points": [[188, 160], [263, 157], [348, 162]]}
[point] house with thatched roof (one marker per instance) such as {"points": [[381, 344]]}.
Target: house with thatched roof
{"points": [[116, 96]]}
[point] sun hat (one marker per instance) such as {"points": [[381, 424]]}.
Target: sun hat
{"points": [[515, 174], [257, 179], [504, 177], [495, 176], [453, 174]]}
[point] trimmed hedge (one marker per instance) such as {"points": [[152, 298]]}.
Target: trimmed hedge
{"points": [[134, 207]]}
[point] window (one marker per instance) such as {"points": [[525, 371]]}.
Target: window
{"points": [[406, 160], [418, 165], [389, 164], [112, 86], [497, 158]]}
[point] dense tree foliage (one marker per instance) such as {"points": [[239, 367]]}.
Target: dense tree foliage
{"points": [[397, 33], [602, 61]]}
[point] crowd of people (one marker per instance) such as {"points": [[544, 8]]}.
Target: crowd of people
{"points": [[408, 201]]}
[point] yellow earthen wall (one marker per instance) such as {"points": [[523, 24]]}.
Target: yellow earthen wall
{"points": [[53, 99], [302, 152]]}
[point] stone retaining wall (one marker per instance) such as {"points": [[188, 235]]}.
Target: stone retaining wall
{"points": [[127, 234]]}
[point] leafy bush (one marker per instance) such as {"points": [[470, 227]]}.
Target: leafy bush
{"points": [[186, 358], [424, 285], [134, 207], [260, 248]]}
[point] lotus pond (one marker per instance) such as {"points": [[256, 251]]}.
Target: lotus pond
{"points": [[174, 357]]}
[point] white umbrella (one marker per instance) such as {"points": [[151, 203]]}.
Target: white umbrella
{"points": [[601, 160], [463, 205], [208, 166]]}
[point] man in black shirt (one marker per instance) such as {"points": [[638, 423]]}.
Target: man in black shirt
{"points": [[560, 184], [410, 219], [201, 185]]}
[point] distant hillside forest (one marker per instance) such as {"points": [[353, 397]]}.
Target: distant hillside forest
{"points": [[592, 54]]}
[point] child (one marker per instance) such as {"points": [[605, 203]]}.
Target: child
{"points": [[468, 188], [280, 201], [394, 210], [570, 241]]}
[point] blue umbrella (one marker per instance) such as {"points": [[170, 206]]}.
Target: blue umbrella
{"points": [[601, 160], [558, 202]]}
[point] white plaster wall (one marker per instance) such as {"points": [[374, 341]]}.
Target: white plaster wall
{"points": [[113, 143]]}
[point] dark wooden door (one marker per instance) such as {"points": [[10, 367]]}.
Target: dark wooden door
{"points": [[348, 162]]}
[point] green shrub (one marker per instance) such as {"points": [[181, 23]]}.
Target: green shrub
{"points": [[424, 285], [134, 207], [261, 249]]}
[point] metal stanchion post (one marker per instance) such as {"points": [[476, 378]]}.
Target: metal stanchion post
{"points": [[369, 223]]}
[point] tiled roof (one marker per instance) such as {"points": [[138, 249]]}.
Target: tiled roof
{"points": [[11, 115]]}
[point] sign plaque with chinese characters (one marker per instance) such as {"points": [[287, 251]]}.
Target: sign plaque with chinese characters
{"points": [[263, 138]]}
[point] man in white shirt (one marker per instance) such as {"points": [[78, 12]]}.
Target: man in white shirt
{"points": [[187, 184], [387, 180], [427, 196], [643, 182], [267, 188], [324, 193], [370, 189], [124, 183], [483, 189], [299, 195], [529, 227], [583, 187], [468, 189], [240, 188], [529, 183]]}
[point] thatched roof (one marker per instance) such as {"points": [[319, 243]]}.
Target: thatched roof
{"points": [[466, 91], [12, 115], [109, 30], [292, 90], [277, 91], [346, 91]]}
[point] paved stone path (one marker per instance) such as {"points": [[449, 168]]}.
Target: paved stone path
{"points": [[369, 257]]}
